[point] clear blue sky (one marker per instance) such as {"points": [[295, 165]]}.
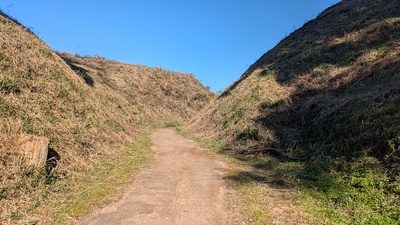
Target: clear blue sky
{"points": [[216, 40]]}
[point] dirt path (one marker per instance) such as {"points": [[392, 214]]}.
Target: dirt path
{"points": [[184, 186]]}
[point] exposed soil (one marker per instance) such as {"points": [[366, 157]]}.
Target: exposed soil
{"points": [[184, 186]]}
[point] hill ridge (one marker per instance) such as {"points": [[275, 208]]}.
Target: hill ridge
{"points": [[88, 107]]}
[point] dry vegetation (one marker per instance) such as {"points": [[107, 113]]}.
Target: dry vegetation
{"points": [[326, 98], [91, 109], [145, 94], [325, 102]]}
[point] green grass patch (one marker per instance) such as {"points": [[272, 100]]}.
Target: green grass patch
{"points": [[357, 193], [171, 124], [9, 85]]}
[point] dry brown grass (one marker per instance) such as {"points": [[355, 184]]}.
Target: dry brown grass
{"points": [[343, 56], [88, 114], [145, 90]]}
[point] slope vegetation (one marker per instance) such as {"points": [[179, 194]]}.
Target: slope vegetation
{"points": [[150, 94], [89, 109], [327, 95]]}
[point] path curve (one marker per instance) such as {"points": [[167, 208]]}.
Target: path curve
{"points": [[184, 186]]}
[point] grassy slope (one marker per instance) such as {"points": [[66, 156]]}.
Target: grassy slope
{"points": [[329, 96], [152, 94], [92, 116]]}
